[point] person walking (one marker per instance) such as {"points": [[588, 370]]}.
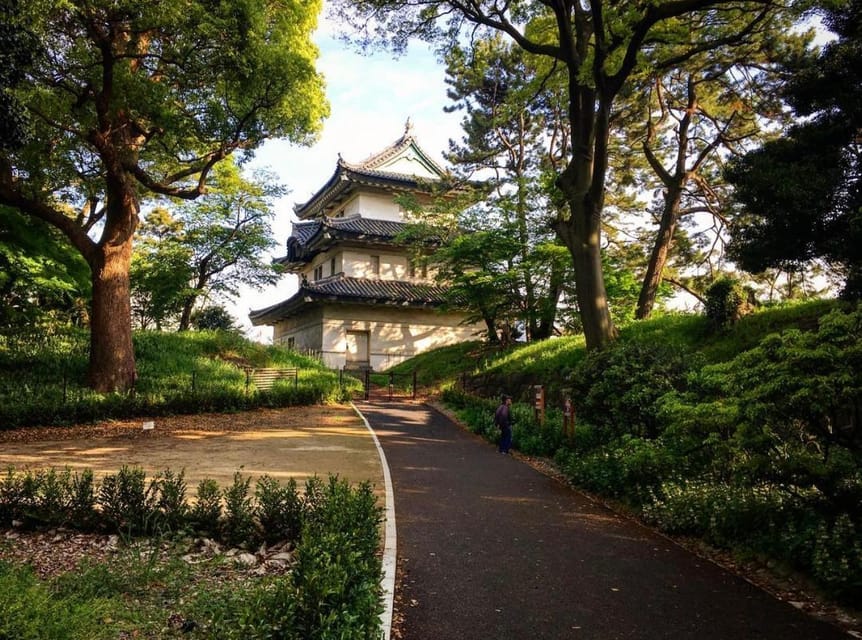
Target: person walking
{"points": [[503, 420]]}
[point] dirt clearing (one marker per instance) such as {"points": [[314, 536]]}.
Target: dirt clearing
{"points": [[296, 442]]}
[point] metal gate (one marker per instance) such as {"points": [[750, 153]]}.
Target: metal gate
{"points": [[381, 386]]}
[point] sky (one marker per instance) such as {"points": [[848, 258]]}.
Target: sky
{"points": [[371, 97]]}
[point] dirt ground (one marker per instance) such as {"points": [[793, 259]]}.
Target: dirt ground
{"points": [[296, 442]]}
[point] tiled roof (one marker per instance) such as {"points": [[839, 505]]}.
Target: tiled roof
{"points": [[366, 226], [371, 171], [357, 290], [304, 231], [382, 290], [309, 238]]}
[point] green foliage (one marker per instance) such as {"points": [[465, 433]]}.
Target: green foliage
{"points": [[205, 514], [171, 503], [238, 526], [724, 302], [629, 468], [205, 249], [617, 388], [279, 509], [31, 610], [214, 319], [800, 193], [333, 592], [128, 501], [337, 572], [188, 372], [42, 279]]}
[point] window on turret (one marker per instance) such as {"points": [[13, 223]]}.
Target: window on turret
{"points": [[375, 265], [318, 273], [332, 267]]}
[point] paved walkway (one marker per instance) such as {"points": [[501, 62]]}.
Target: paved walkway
{"points": [[488, 548]]}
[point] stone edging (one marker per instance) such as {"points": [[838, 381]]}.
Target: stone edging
{"points": [[389, 561]]}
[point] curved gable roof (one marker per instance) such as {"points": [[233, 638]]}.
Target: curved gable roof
{"points": [[401, 165]]}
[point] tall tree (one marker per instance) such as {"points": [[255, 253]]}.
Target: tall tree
{"points": [[801, 195], [599, 45], [228, 234], [718, 104], [511, 129], [161, 271], [134, 99]]}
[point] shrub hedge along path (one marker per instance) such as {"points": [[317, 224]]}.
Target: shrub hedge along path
{"points": [[488, 547]]}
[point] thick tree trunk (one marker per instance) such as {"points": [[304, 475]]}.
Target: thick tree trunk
{"points": [[112, 356], [186, 317], [660, 251], [582, 236], [548, 308]]}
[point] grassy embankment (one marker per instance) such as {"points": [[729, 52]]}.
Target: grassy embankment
{"points": [[42, 378]]}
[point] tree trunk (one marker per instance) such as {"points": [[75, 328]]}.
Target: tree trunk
{"points": [[186, 317], [660, 251], [548, 308], [584, 243], [112, 355]]}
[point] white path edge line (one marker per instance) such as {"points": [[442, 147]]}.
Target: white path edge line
{"points": [[387, 581]]}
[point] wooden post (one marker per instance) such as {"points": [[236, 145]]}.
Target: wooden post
{"points": [[539, 404], [367, 383], [414, 384], [391, 384], [568, 415]]}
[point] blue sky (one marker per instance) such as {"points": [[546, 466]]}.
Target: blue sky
{"points": [[370, 99]]}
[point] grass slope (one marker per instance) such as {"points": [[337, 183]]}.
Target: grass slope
{"points": [[551, 362], [42, 377]]}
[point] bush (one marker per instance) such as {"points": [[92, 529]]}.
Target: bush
{"points": [[725, 302], [171, 504], [279, 510], [128, 502], [337, 575], [205, 514], [333, 591], [630, 468], [618, 388], [238, 525]]}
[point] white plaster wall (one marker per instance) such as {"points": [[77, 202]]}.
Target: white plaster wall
{"points": [[306, 330], [379, 206], [393, 266], [395, 334], [409, 164], [324, 259]]}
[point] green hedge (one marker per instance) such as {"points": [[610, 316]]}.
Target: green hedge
{"points": [[332, 592]]}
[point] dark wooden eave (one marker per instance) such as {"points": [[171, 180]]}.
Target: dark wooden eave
{"points": [[344, 290]]}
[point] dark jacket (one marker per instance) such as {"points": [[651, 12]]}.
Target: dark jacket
{"points": [[503, 416]]}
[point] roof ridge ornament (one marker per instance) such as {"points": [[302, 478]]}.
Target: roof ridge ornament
{"points": [[408, 128]]}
